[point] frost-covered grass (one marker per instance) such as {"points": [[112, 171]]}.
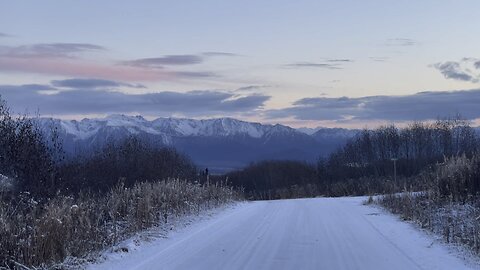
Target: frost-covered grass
{"points": [[450, 207], [45, 235], [457, 223], [6, 183]]}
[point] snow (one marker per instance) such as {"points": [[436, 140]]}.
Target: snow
{"points": [[210, 127], [320, 233], [134, 124], [308, 131], [81, 130], [120, 120], [6, 183], [183, 127], [87, 128]]}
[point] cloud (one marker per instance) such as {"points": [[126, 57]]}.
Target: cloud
{"points": [[67, 59], [219, 54], [314, 65], [83, 68], [159, 62], [169, 60], [400, 42], [62, 59], [452, 70], [2, 35], [252, 88], [78, 101], [79, 83], [195, 74], [48, 50], [326, 64], [340, 60], [420, 106], [464, 70], [379, 58], [26, 87]]}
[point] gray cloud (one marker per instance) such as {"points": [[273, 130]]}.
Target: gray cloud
{"points": [[78, 101], [452, 70], [26, 87], [169, 60], [252, 88], [463, 70], [340, 60], [219, 54], [159, 62], [379, 58], [314, 65], [48, 50], [195, 74], [420, 106], [79, 83], [4, 35], [401, 42], [326, 64], [477, 65]]}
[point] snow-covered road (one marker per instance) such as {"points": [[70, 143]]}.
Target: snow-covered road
{"points": [[322, 233]]}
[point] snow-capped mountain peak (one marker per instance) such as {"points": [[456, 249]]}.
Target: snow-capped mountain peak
{"points": [[209, 127], [177, 127], [308, 131], [183, 127], [224, 142]]}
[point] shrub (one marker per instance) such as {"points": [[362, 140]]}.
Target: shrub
{"points": [[128, 161], [25, 156], [39, 235], [450, 205]]}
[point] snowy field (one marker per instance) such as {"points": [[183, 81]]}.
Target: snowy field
{"points": [[321, 233]]}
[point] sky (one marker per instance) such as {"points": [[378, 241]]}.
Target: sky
{"points": [[343, 63]]}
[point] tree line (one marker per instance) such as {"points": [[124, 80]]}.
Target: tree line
{"points": [[364, 165], [128, 161]]}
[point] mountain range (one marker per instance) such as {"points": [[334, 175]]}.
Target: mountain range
{"points": [[221, 144]]}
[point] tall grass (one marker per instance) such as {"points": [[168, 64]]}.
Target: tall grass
{"points": [[42, 235], [450, 206]]}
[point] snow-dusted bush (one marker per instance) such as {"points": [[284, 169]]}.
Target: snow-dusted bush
{"points": [[458, 178], [456, 222], [451, 204], [25, 155], [6, 183], [33, 234]]}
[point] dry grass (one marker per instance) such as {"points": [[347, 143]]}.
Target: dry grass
{"points": [[450, 206], [456, 222], [40, 236]]}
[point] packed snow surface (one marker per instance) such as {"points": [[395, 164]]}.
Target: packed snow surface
{"points": [[321, 233]]}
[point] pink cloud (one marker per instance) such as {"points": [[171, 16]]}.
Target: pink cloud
{"points": [[63, 59], [82, 68]]}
